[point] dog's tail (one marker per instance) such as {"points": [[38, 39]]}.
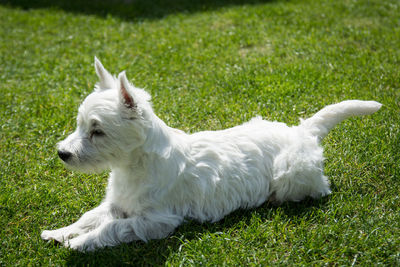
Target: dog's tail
{"points": [[324, 120]]}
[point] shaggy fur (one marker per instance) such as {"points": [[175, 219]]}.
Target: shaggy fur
{"points": [[160, 175]]}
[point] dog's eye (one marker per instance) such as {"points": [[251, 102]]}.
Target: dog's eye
{"points": [[97, 132]]}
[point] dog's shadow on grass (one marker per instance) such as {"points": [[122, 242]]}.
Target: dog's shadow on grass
{"points": [[131, 10], [157, 252]]}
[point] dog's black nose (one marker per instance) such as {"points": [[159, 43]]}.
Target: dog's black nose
{"points": [[64, 155]]}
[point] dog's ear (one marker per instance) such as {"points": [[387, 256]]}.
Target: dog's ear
{"points": [[106, 79], [124, 94]]}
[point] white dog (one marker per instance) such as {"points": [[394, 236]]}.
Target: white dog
{"points": [[160, 175]]}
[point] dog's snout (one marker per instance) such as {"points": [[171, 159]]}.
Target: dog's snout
{"points": [[64, 155]]}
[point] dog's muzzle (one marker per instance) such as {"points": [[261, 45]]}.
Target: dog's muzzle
{"points": [[64, 155]]}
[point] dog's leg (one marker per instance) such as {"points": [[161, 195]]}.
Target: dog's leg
{"points": [[298, 173], [89, 221], [116, 231]]}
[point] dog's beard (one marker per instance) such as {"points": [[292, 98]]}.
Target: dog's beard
{"points": [[87, 165], [84, 157]]}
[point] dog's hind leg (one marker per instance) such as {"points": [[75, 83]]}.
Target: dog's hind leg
{"points": [[89, 221], [298, 174]]}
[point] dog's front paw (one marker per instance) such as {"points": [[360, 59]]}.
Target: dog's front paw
{"points": [[53, 235], [83, 243], [60, 235]]}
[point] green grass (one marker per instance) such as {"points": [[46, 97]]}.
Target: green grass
{"points": [[208, 65]]}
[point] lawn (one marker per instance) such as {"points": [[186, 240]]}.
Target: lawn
{"points": [[208, 65]]}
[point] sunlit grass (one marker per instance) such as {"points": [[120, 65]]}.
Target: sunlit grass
{"points": [[208, 66]]}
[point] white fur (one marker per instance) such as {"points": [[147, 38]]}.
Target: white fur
{"points": [[160, 175]]}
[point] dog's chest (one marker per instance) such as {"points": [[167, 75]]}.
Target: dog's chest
{"points": [[125, 193]]}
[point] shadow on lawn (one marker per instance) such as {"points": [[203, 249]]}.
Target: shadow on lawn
{"points": [[156, 252], [130, 9]]}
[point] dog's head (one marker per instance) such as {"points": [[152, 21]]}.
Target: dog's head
{"points": [[112, 122]]}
